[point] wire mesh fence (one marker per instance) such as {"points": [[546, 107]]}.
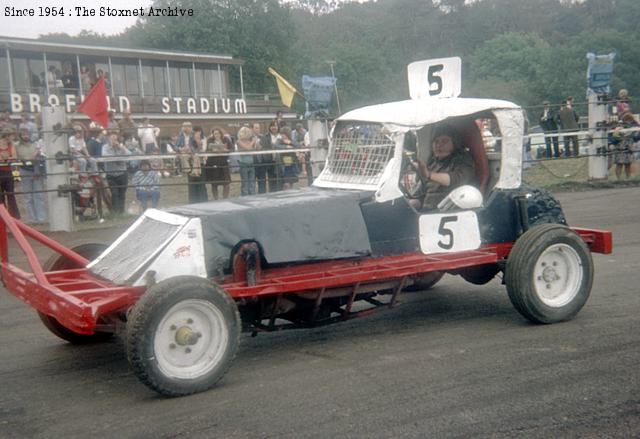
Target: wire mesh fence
{"points": [[359, 155]]}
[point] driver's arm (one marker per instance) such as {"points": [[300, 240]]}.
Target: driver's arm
{"points": [[442, 178]]}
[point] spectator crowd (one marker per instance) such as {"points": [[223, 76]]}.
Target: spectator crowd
{"points": [[263, 156], [623, 139], [126, 153]]}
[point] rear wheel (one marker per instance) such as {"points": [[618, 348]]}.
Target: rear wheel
{"points": [[549, 274], [56, 262], [182, 335], [425, 281], [481, 274]]}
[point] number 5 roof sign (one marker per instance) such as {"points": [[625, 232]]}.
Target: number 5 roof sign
{"points": [[441, 78]]}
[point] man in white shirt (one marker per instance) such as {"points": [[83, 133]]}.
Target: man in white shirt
{"points": [[78, 149], [148, 135]]}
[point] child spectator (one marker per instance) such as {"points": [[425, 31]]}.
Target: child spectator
{"points": [[146, 182], [85, 198]]}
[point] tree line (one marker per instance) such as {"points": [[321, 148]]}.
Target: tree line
{"points": [[523, 51]]}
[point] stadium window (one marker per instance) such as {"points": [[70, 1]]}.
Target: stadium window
{"points": [[36, 74], [154, 78], [160, 80], [132, 79], [20, 74], [4, 75], [216, 85], [186, 80], [117, 78], [174, 74]]}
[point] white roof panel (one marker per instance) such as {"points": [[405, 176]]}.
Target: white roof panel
{"points": [[425, 111]]}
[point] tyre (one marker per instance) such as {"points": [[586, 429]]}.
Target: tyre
{"points": [[481, 274], [182, 335], [425, 281], [89, 250], [549, 274]]}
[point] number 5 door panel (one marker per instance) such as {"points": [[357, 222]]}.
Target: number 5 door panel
{"points": [[450, 232]]}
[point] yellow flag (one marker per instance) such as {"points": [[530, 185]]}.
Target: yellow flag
{"points": [[287, 91]]}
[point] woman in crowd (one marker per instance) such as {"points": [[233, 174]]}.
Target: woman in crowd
{"points": [[622, 144], [266, 170], [32, 182], [288, 162], [8, 155], [197, 185], [246, 142], [623, 104], [116, 171], [217, 168], [85, 79]]}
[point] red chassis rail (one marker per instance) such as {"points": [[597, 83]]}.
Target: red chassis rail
{"points": [[83, 302]]}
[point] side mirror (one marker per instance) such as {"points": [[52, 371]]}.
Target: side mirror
{"points": [[464, 197]]}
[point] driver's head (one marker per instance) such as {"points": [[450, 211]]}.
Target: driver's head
{"points": [[445, 141]]}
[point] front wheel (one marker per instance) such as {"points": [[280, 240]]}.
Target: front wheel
{"points": [[549, 274], [182, 335]]}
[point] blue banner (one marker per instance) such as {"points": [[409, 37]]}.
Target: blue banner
{"points": [[599, 72], [318, 90]]}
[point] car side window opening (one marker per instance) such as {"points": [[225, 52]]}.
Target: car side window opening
{"points": [[439, 158]]}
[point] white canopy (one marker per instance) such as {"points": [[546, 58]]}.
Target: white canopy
{"points": [[416, 113], [402, 116]]}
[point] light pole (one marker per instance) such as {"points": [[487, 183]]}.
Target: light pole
{"points": [[335, 86]]}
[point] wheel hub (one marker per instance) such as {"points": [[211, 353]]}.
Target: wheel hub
{"points": [[191, 339], [549, 274], [185, 336], [558, 275]]}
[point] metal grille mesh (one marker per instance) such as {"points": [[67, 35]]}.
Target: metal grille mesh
{"points": [[119, 265], [359, 155]]}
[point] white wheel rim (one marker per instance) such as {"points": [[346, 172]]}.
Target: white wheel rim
{"points": [[191, 339], [558, 275]]}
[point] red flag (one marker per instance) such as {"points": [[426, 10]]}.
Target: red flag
{"points": [[95, 104]]}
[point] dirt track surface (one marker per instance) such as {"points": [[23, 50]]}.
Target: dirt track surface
{"points": [[457, 361]]}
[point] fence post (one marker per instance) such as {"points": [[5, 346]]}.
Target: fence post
{"points": [[59, 214], [598, 158], [319, 139]]}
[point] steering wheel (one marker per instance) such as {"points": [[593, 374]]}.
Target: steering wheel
{"points": [[418, 190]]}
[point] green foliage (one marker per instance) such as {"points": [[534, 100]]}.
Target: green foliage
{"points": [[525, 51], [257, 31]]}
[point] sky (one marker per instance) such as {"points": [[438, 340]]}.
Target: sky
{"points": [[32, 27]]}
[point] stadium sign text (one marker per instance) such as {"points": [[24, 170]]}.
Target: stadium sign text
{"points": [[33, 103]]}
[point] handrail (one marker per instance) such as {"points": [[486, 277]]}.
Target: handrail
{"points": [[11, 223], [52, 244], [19, 230]]}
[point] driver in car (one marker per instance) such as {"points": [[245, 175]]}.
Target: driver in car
{"points": [[449, 167]]}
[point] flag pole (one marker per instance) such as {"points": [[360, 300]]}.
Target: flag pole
{"points": [[335, 85]]}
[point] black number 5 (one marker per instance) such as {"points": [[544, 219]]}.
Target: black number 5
{"points": [[433, 78], [442, 230]]}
